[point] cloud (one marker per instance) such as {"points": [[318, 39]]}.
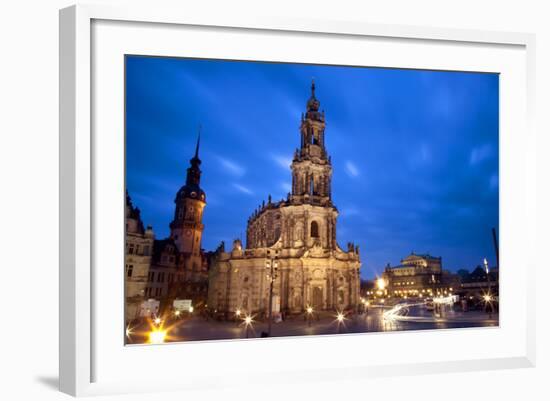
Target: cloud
{"points": [[243, 189], [282, 161], [351, 169], [231, 167], [480, 154]]}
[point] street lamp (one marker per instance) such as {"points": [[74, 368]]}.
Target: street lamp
{"points": [[237, 315], [309, 311], [247, 324], [272, 266], [157, 336], [129, 331], [340, 319]]}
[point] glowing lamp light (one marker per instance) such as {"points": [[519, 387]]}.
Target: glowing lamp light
{"points": [[128, 331], [238, 312], [157, 336], [248, 320], [340, 317], [381, 283], [177, 313], [191, 309], [309, 310], [487, 298], [158, 321]]}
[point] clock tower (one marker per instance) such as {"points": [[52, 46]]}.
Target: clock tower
{"points": [[186, 228]]}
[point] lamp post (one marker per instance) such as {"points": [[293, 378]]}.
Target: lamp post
{"points": [[271, 265]]}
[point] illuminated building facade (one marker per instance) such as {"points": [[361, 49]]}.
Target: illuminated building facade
{"points": [[418, 275], [139, 248], [312, 270]]}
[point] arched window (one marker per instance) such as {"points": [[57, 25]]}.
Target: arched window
{"points": [[314, 232]]}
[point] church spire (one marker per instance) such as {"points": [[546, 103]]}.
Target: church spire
{"points": [[198, 143], [194, 172], [311, 166]]}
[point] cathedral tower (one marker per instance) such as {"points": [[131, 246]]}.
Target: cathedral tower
{"points": [[313, 271], [186, 228], [311, 166]]}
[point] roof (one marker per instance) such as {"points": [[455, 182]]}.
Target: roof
{"points": [[422, 256], [160, 245]]}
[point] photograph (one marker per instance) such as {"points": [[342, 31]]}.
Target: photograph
{"points": [[274, 199]]}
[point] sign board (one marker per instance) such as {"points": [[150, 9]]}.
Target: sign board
{"points": [[149, 308], [184, 305]]}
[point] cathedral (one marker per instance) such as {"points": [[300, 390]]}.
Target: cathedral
{"points": [[297, 235]]}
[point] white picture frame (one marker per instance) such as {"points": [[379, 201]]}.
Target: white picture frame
{"points": [[79, 342]]}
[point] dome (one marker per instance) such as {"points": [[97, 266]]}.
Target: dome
{"points": [[191, 191]]}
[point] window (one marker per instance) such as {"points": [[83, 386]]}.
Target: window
{"points": [[131, 249], [314, 232], [152, 278], [130, 270], [146, 250]]}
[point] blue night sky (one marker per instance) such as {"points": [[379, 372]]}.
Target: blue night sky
{"points": [[414, 153]]}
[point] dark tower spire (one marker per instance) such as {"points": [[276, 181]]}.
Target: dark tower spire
{"points": [[186, 228], [198, 143], [194, 171]]}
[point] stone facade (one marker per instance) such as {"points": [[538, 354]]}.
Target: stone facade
{"points": [[179, 269], [312, 269], [139, 248], [419, 274]]}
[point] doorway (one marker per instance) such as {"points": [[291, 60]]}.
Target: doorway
{"points": [[317, 298]]}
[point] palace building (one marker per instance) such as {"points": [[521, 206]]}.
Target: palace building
{"points": [[139, 247], [418, 275], [311, 268]]}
